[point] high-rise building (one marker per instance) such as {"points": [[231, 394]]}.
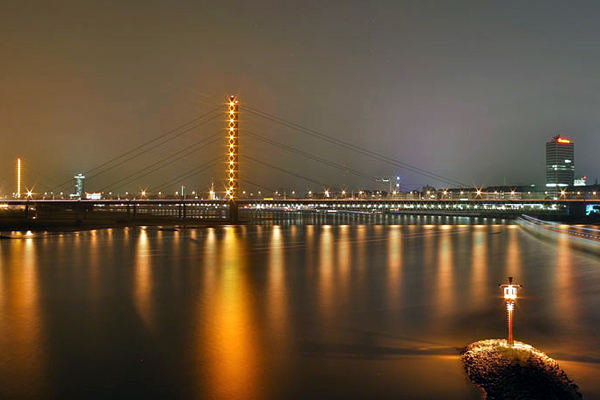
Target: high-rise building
{"points": [[560, 162], [79, 178]]}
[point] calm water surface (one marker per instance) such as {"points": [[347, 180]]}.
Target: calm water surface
{"points": [[284, 311]]}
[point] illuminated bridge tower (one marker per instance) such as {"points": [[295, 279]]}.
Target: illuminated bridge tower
{"points": [[232, 148]]}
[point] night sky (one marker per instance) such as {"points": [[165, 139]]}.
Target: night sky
{"points": [[467, 89]]}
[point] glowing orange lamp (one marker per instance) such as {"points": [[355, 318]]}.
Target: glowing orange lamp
{"points": [[510, 297]]}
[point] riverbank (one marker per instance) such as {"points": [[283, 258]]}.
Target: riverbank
{"points": [[516, 372]]}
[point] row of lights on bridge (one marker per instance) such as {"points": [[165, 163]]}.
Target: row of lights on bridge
{"points": [[228, 193]]}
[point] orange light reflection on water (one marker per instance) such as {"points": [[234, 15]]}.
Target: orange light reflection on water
{"points": [[513, 251], [394, 261], [361, 250], [143, 279], [276, 288], [232, 349], [479, 286], [565, 292], [344, 259], [326, 273], [444, 296], [20, 319]]}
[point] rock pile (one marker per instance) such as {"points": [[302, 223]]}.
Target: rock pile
{"points": [[517, 373]]}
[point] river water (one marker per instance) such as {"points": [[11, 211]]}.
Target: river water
{"points": [[285, 311]]}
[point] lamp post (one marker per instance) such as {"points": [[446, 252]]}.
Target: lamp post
{"points": [[510, 297]]}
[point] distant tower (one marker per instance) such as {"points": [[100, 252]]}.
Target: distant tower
{"points": [[211, 192], [560, 162], [79, 187], [18, 178], [232, 148]]}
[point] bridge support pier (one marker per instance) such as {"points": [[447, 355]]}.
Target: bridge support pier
{"points": [[577, 210], [232, 212], [78, 211]]}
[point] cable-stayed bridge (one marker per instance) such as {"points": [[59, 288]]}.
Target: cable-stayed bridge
{"points": [[242, 197]]}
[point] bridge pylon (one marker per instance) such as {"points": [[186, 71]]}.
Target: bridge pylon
{"points": [[232, 169]]}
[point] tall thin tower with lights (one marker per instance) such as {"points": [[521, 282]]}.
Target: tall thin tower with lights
{"points": [[18, 178], [232, 148]]}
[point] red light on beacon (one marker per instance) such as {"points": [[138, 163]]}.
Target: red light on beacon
{"points": [[561, 140]]}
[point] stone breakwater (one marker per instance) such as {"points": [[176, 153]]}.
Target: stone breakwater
{"points": [[518, 372]]}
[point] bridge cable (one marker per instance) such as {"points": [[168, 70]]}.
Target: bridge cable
{"points": [[170, 159], [169, 132], [317, 158], [257, 185], [28, 172], [191, 172], [350, 146], [311, 156], [358, 149], [151, 148], [161, 136], [285, 171]]}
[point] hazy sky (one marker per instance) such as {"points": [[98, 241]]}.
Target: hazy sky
{"points": [[466, 89]]}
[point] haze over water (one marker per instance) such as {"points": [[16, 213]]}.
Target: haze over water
{"points": [[285, 311]]}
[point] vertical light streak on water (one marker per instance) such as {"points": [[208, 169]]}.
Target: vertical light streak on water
{"points": [[177, 247], [565, 298], [204, 324], [277, 302], [326, 274], [479, 276], [209, 263], [444, 288], [21, 322], [232, 351], [258, 232], [344, 260], [425, 234], [394, 266], [60, 246], [309, 240], [360, 266], [143, 279], [513, 252], [94, 263], [28, 292], [428, 234]]}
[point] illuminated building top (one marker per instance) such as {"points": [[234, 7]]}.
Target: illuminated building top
{"points": [[560, 162]]}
